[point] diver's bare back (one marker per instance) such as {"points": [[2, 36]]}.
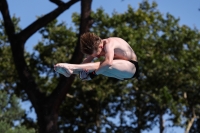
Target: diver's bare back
{"points": [[122, 49]]}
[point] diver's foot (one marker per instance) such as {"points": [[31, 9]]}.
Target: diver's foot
{"points": [[63, 68]]}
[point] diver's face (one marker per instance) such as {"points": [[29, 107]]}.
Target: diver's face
{"points": [[97, 52]]}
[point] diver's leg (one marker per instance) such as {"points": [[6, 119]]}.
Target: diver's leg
{"points": [[120, 69], [67, 69]]}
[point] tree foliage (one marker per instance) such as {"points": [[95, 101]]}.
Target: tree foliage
{"points": [[46, 106], [11, 114], [168, 56], [164, 50]]}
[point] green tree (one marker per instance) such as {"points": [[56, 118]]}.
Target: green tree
{"points": [[166, 86], [46, 106], [168, 57], [11, 113], [160, 42]]}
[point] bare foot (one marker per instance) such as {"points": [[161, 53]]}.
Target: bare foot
{"points": [[63, 69]]}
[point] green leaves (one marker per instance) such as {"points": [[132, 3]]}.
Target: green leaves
{"points": [[168, 56], [11, 114], [169, 68]]}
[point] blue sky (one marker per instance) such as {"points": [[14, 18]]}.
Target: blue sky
{"points": [[28, 10]]}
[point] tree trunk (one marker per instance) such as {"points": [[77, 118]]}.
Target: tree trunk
{"points": [[55, 99], [191, 121], [161, 120]]}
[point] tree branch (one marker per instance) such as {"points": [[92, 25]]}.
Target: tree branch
{"points": [[41, 22], [9, 26], [191, 121], [26, 78], [57, 2]]}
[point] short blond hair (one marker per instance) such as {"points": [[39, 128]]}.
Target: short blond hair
{"points": [[89, 42]]}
